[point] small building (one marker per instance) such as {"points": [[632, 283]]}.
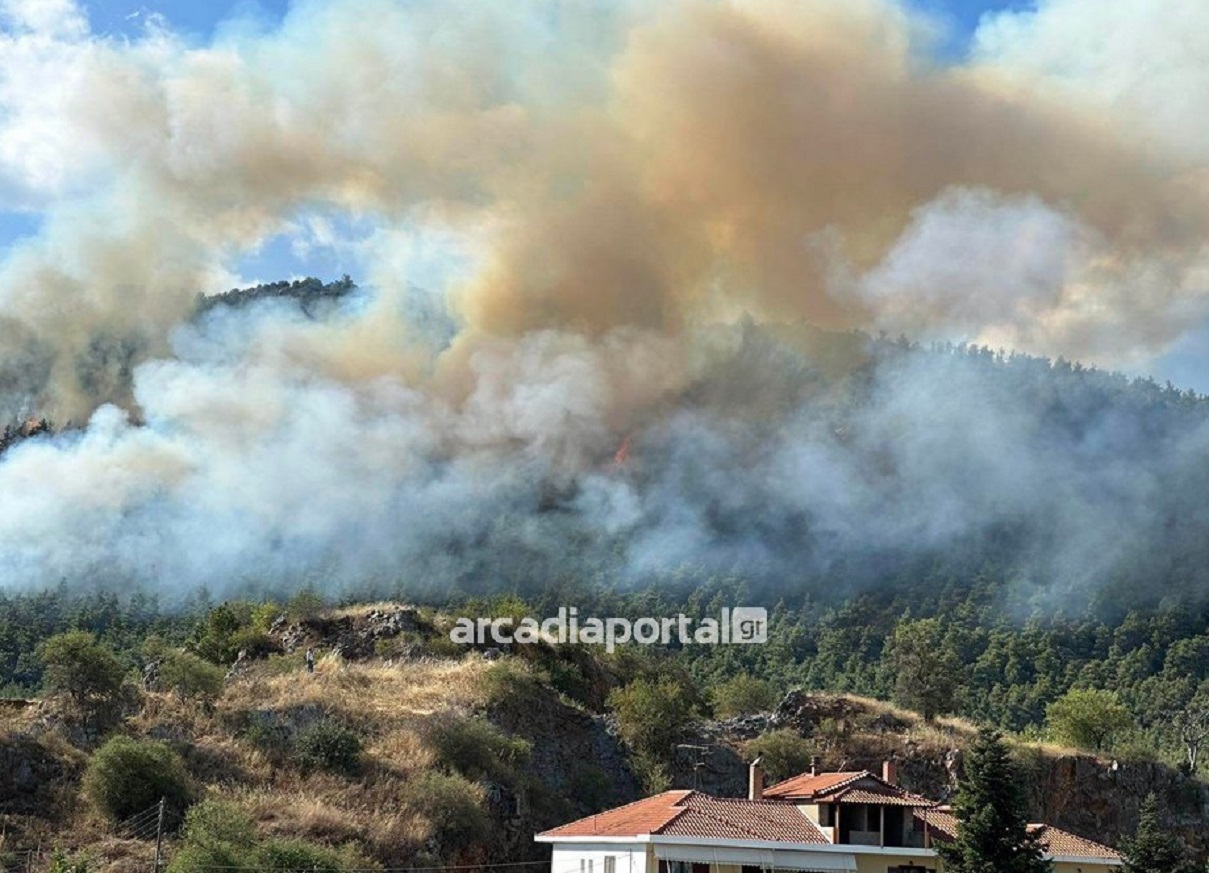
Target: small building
{"points": [[857, 822]]}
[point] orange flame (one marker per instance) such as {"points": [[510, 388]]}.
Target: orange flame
{"points": [[623, 452]]}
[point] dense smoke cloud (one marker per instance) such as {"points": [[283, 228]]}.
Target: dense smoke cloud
{"points": [[618, 183]]}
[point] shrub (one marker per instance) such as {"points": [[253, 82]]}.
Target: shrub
{"points": [[652, 715], [785, 753], [291, 856], [590, 785], [743, 694], [215, 823], [61, 862], [189, 676], [83, 669], [476, 748], [305, 605], [452, 804], [329, 746], [512, 686], [206, 859], [127, 776], [273, 740], [652, 772]]}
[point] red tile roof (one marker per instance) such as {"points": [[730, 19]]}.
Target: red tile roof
{"points": [[692, 814], [942, 824], [736, 819], [852, 787], [881, 797], [646, 816], [809, 785], [1060, 842]]}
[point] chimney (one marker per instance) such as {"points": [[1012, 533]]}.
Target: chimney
{"points": [[755, 780], [890, 772], [814, 765]]}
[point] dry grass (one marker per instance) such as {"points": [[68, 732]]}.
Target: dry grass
{"points": [[338, 812], [361, 610], [370, 693], [401, 750]]}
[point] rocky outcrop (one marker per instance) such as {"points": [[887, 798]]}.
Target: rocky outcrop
{"points": [[353, 637], [32, 776]]}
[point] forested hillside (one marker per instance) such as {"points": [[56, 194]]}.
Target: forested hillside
{"points": [[955, 651]]}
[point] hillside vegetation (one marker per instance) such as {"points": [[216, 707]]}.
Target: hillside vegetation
{"points": [[403, 749]]}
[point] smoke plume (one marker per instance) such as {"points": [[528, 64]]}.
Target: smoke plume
{"points": [[643, 214]]}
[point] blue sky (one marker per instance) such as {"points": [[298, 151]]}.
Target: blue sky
{"points": [[200, 17]]}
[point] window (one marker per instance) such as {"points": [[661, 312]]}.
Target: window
{"points": [[826, 815], [610, 865]]}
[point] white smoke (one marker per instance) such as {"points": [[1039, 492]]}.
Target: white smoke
{"points": [[581, 190]]}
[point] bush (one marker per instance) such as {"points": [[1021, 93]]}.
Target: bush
{"points": [[476, 748], [785, 753], [61, 862], [452, 804], [328, 746], [590, 785], [307, 604], [652, 772], [512, 686], [189, 676], [652, 715], [291, 856], [206, 859], [272, 740], [127, 776], [83, 669], [215, 823], [218, 835], [743, 694]]}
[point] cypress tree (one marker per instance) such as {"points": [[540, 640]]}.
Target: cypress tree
{"points": [[1153, 849], [992, 819]]}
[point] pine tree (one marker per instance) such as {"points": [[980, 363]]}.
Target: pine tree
{"points": [[1153, 849], [992, 823]]}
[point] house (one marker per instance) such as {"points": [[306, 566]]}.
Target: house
{"points": [[858, 822]]}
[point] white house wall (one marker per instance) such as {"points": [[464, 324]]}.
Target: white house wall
{"points": [[628, 858]]}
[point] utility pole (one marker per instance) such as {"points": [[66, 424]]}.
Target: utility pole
{"points": [[159, 836]]}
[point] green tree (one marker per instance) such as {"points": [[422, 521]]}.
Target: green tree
{"points": [[1087, 718], [1153, 848], [743, 694], [785, 753], [992, 822], [926, 670], [306, 605], [189, 676], [127, 776], [76, 665], [652, 715]]}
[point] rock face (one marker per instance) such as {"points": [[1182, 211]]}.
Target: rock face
{"points": [[30, 775], [1093, 796], [576, 756], [354, 637]]}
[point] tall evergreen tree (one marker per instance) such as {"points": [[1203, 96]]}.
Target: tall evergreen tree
{"points": [[1153, 849], [992, 822]]}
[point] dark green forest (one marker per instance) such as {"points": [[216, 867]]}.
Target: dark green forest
{"points": [[996, 668]]}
